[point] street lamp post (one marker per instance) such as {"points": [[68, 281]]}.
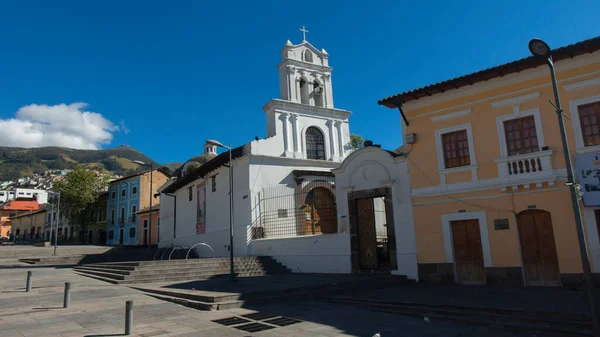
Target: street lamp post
{"points": [[541, 49], [141, 163], [219, 144]]}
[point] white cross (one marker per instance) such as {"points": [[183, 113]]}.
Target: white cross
{"points": [[304, 31]]}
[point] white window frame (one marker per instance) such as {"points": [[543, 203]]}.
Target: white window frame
{"points": [[440, 148], [483, 233], [574, 111], [520, 114]]}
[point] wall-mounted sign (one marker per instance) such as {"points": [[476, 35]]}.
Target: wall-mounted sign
{"points": [[587, 167], [501, 224], [531, 206], [462, 211]]}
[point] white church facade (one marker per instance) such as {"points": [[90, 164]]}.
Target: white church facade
{"points": [[286, 201]]}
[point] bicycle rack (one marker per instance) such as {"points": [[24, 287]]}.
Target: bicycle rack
{"points": [[158, 251], [200, 244], [182, 247], [166, 250]]}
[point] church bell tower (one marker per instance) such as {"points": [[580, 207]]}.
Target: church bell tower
{"points": [[305, 75], [303, 122]]}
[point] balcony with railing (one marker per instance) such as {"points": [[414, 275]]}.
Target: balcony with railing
{"points": [[526, 169]]}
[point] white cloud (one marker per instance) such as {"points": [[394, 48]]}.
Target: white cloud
{"points": [[57, 125]]}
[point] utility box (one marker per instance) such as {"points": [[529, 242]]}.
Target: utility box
{"points": [[410, 138]]}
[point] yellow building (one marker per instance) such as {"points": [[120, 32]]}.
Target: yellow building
{"points": [[30, 225], [487, 170]]}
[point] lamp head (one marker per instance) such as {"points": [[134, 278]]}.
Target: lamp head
{"points": [[139, 162], [215, 143], [540, 48]]}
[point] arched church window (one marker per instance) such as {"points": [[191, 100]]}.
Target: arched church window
{"points": [[303, 91], [308, 56], [315, 144], [318, 94]]}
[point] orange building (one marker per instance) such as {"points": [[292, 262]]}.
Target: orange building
{"points": [[487, 170], [13, 208], [144, 223]]}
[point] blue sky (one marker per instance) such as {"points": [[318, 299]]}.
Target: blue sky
{"points": [[169, 75]]}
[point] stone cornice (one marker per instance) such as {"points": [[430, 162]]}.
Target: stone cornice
{"points": [[294, 107], [304, 65]]}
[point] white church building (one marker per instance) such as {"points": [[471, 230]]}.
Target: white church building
{"points": [[286, 202]]}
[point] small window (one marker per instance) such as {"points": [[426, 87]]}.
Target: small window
{"points": [[112, 215], [113, 195], [134, 190], [456, 149], [122, 220], [282, 213], [145, 223], [521, 136], [308, 56], [123, 191], [132, 232], [589, 118], [213, 181], [111, 235], [54, 216], [133, 215], [190, 194]]}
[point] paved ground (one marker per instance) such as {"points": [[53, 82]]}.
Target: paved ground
{"points": [[548, 299], [97, 309]]}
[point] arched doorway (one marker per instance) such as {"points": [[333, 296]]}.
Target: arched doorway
{"points": [[538, 248], [319, 212]]}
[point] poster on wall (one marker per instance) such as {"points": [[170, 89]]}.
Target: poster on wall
{"points": [[201, 210], [587, 166]]}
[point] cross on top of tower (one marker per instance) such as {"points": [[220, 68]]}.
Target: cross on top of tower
{"points": [[304, 31]]}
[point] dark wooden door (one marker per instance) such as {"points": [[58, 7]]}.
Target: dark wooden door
{"points": [[468, 252], [538, 248], [367, 241]]}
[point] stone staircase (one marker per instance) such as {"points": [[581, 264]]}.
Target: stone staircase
{"points": [[178, 270], [80, 255], [516, 320], [274, 289]]}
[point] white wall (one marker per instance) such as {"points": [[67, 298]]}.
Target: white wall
{"points": [[217, 213], [308, 254], [370, 168]]}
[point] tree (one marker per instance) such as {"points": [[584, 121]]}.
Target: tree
{"points": [[356, 141], [79, 189], [166, 169], [191, 168]]}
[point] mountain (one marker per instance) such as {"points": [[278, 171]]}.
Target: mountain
{"points": [[21, 162]]}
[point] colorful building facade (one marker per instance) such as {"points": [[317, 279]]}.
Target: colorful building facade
{"points": [[30, 225], [487, 170], [11, 209], [126, 196], [144, 225]]}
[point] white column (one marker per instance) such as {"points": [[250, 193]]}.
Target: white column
{"points": [[292, 83], [296, 137], [340, 141], [331, 140], [286, 137], [328, 94]]}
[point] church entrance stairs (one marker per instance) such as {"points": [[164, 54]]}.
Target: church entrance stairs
{"points": [[542, 311], [177, 270], [221, 293]]}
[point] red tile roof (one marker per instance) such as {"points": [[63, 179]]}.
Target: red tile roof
{"points": [[570, 51], [21, 205]]}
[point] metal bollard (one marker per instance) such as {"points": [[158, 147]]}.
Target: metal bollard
{"points": [[128, 318], [28, 284], [67, 297]]}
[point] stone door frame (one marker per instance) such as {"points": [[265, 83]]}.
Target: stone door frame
{"points": [[385, 192]]}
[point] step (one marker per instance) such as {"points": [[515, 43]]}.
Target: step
{"points": [[176, 273], [144, 271], [199, 305], [299, 291], [478, 316]]}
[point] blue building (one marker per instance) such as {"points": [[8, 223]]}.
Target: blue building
{"points": [[126, 196]]}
